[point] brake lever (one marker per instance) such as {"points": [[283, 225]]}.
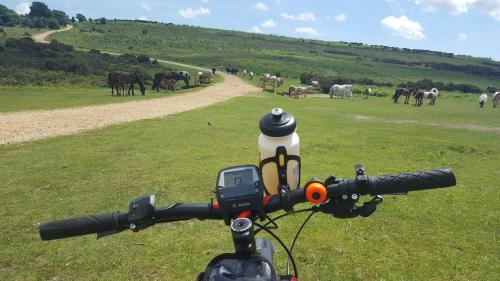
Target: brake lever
{"points": [[370, 207]]}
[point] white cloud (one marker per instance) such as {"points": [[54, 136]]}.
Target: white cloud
{"points": [[142, 18], [255, 29], [23, 8], [490, 7], [307, 30], [341, 17], [306, 16], [191, 13], [404, 27], [146, 7], [462, 36], [204, 1], [269, 23], [452, 6], [261, 7]]}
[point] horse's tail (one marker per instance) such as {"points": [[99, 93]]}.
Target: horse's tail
{"points": [[110, 75]]}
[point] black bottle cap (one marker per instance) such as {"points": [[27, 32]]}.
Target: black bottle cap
{"points": [[277, 123]]}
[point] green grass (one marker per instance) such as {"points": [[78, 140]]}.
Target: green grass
{"points": [[36, 98], [269, 54], [447, 234]]}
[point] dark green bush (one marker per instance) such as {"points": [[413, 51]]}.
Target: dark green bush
{"points": [[143, 59]]}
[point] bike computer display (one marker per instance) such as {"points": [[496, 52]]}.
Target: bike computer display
{"points": [[239, 189]]}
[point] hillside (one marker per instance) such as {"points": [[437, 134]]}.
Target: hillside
{"points": [[24, 62], [290, 56]]}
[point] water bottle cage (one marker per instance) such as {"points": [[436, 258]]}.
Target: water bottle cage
{"points": [[281, 159]]}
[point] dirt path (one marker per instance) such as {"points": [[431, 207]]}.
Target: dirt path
{"points": [[24, 126], [42, 37]]}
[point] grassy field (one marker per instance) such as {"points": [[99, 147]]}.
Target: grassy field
{"points": [[35, 98], [448, 234], [267, 53]]}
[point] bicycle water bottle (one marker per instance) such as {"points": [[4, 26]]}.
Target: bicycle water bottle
{"points": [[279, 151]]}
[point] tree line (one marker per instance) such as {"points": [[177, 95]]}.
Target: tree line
{"points": [[40, 16]]}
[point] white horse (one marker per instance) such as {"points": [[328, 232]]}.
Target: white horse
{"points": [[432, 95], [315, 83], [197, 77], [343, 91], [244, 72], [496, 99], [482, 100], [251, 75]]}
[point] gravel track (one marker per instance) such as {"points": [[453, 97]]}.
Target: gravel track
{"points": [[16, 127]]}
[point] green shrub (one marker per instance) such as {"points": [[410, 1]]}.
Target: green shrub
{"points": [[143, 59]]}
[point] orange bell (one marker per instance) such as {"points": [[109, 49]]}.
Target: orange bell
{"points": [[316, 192]]}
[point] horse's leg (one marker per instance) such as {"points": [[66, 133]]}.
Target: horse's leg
{"points": [[131, 87]]}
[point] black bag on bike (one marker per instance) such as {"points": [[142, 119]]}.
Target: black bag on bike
{"points": [[232, 267]]}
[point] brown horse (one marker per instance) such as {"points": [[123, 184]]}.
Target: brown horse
{"points": [[170, 83], [120, 78], [406, 92]]}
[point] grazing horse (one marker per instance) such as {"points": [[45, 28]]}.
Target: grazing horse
{"points": [[315, 83], [299, 91], [203, 77], [267, 79], [406, 92], [170, 83], [120, 78], [343, 91], [162, 76], [421, 95], [482, 100], [264, 79], [279, 82], [496, 99], [367, 92]]}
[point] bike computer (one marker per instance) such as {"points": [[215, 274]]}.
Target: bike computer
{"points": [[240, 189]]}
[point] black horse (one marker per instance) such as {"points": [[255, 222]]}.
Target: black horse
{"points": [[232, 70], [213, 70], [184, 76], [407, 92]]}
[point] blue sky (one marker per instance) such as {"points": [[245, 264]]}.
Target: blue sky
{"points": [[469, 27]]}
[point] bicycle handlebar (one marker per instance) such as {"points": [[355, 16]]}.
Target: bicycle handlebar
{"points": [[373, 185]]}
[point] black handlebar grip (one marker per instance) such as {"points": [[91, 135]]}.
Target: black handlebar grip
{"points": [[83, 225], [419, 180]]}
